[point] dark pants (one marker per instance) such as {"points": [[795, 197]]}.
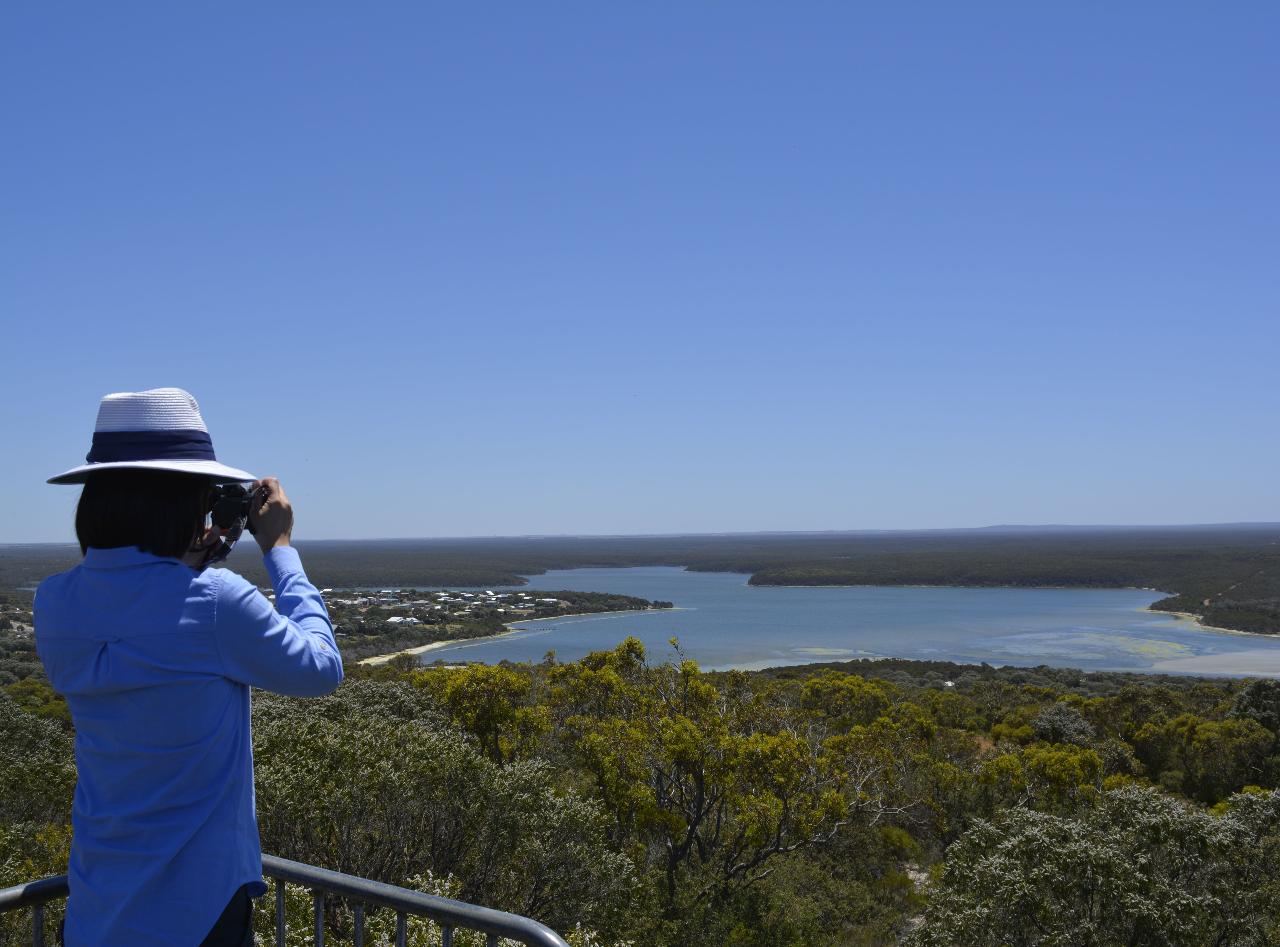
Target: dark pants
{"points": [[234, 927]]}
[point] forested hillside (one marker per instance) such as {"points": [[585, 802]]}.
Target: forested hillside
{"points": [[626, 802], [1230, 580]]}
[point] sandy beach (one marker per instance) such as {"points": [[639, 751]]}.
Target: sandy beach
{"points": [[1200, 625], [433, 646]]}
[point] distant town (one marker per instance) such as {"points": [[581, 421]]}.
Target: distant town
{"points": [[399, 607], [371, 622]]}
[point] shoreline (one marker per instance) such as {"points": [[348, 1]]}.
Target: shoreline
{"points": [[1201, 626], [432, 646], [1161, 667], [448, 642]]}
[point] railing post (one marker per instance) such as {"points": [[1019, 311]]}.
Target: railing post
{"points": [[37, 925], [279, 912], [359, 933], [319, 896]]}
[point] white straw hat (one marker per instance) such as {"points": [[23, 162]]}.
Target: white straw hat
{"points": [[159, 429]]}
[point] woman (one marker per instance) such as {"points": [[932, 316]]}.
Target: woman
{"points": [[155, 654]]}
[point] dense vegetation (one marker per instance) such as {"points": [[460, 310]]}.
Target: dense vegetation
{"points": [[860, 804], [1230, 575], [1231, 579]]}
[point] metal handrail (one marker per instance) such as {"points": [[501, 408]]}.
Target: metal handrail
{"points": [[34, 894], [449, 914]]}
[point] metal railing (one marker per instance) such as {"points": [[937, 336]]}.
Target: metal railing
{"points": [[449, 914], [35, 895]]}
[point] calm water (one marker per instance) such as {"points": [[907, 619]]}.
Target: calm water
{"points": [[722, 622]]}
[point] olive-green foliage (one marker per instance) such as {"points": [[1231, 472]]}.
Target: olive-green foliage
{"points": [[378, 788], [1051, 778], [1205, 759], [1259, 701], [626, 801], [37, 772], [1062, 723], [732, 793], [725, 789], [846, 699], [490, 703], [852, 891], [37, 777], [708, 782], [1138, 868], [34, 695]]}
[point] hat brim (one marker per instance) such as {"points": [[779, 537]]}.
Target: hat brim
{"points": [[206, 468]]}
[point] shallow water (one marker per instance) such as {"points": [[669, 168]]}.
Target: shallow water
{"points": [[724, 623]]}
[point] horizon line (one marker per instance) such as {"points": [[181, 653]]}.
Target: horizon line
{"points": [[1022, 527]]}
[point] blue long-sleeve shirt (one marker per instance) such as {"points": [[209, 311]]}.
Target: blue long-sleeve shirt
{"points": [[156, 662]]}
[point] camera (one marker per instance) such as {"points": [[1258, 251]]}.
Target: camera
{"points": [[229, 506]]}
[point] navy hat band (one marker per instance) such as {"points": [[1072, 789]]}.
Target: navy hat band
{"points": [[116, 446]]}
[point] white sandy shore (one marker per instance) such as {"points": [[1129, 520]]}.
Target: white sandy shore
{"points": [[1201, 626], [436, 645], [433, 646]]}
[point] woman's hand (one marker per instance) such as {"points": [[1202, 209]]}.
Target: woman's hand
{"points": [[270, 514]]}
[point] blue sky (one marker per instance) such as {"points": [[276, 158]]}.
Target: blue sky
{"points": [[617, 268]]}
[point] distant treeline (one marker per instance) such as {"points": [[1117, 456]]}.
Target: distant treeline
{"points": [[1234, 569], [1231, 579]]}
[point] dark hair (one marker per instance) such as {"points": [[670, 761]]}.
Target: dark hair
{"points": [[159, 511]]}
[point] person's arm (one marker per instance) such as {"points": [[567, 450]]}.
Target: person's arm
{"points": [[289, 649]]}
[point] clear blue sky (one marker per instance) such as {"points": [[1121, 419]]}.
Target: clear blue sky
{"points": [[517, 268]]}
